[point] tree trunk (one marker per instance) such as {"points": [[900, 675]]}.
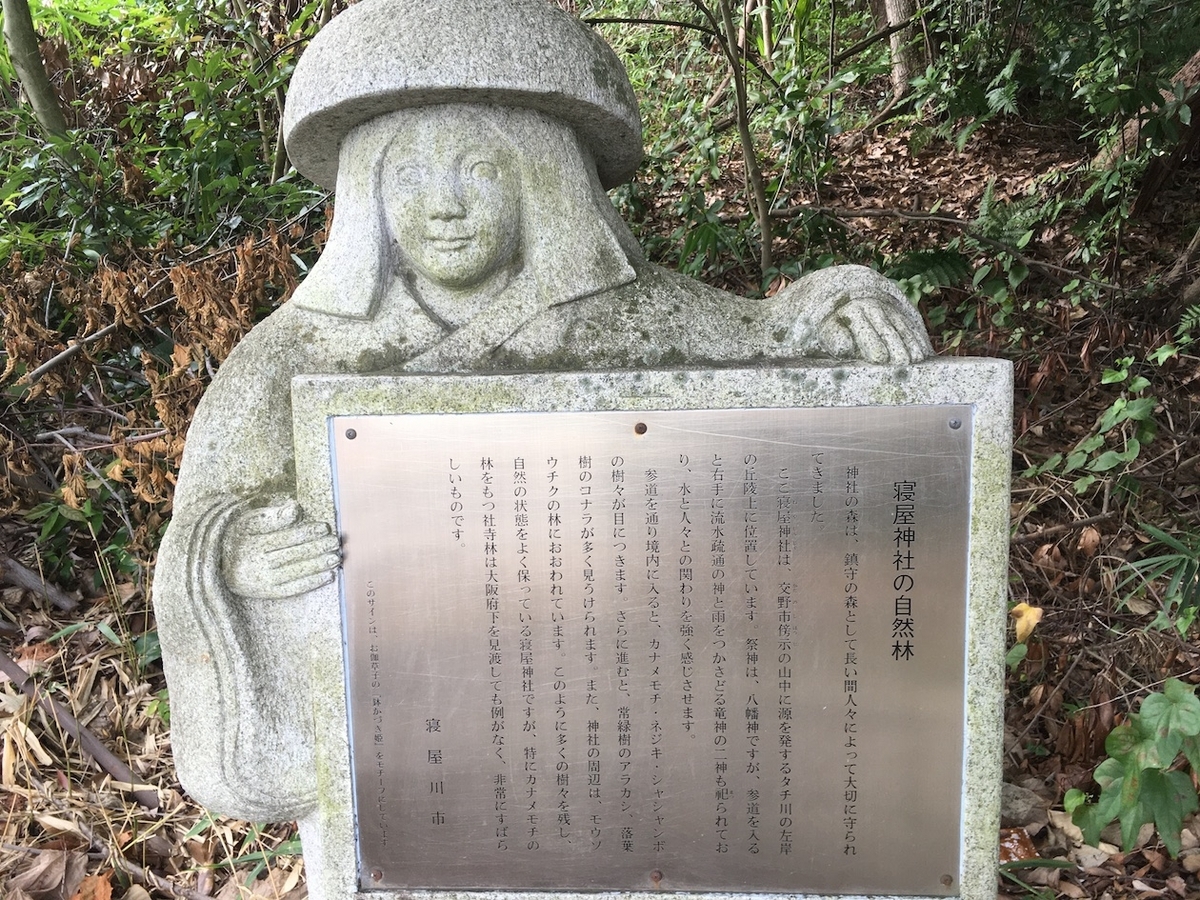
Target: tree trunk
{"points": [[1162, 168], [27, 60], [903, 52], [754, 178], [1131, 134]]}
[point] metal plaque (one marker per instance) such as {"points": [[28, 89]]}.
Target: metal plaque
{"points": [[682, 650]]}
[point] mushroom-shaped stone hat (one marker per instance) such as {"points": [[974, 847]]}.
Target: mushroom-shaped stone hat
{"points": [[384, 55]]}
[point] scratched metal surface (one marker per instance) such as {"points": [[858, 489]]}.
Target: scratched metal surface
{"points": [[669, 650]]}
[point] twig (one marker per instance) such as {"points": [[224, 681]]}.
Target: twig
{"points": [[77, 431], [117, 858], [1049, 696], [917, 216], [881, 35], [72, 350], [12, 572], [68, 723], [1062, 529], [673, 23]]}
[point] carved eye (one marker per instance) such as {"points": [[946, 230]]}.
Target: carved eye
{"points": [[484, 170], [409, 176]]}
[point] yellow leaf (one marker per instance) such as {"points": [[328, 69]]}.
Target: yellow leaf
{"points": [[1026, 617]]}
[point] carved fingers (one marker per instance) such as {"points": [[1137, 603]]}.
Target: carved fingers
{"points": [[850, 312], [880, 334], [270, 553]]}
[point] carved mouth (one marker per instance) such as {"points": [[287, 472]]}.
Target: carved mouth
{"points": [[449, 242]]}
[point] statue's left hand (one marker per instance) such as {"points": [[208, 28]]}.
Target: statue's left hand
{"points": [[850, 312], [873, 330]]}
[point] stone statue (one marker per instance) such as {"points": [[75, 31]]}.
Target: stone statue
{"points": [[470, 143]]}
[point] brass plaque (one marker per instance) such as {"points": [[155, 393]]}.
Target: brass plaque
{"points": [[679, 650]]}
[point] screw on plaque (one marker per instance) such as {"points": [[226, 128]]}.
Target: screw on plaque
{"points": [[947, 880], [639, 428], [351, 434], [956, 424], [377, 874], [656, 876]]}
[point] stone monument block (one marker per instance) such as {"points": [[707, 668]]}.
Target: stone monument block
{"points": [[506, 561]]}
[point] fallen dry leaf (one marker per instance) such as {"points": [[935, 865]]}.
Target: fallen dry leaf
{"points": [[1139, 885], [1026, 618], [53, 875], [1087, 857], [1177, 884], [95, 887], [1015, 845], [1089, 541]]}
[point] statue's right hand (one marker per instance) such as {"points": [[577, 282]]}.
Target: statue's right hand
{"points": [[269, 553]]}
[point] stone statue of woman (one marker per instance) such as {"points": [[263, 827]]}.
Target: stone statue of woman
{"points": [[470, 143]]}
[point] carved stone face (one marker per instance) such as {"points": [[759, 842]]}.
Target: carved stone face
{"points": [[452, 199]]}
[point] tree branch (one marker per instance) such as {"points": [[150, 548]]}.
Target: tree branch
{"points": [[12, 572], [26, 58], [88, 741]]}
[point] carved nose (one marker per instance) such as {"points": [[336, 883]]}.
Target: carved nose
{"points": [[445, 198]]}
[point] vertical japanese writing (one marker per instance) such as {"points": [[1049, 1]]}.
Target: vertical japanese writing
{"points": [[904, 536], [817, 471], [437, 784], [457, 515], [653, 656], [687, 627], [587, 547], [491, 601], [619, 541], [753, 766], [850, 707], [554, 536], [529, 725], [620, 546], [717, 526], [624, 761], [377, 733], [783, 519], [750, 535], [783, 674], [852, 499], [591, 700]]}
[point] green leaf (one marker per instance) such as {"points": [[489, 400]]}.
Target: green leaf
{"points": [[1175, 711], [1133, 749], [1073, 799], [1110, 459], [1191, 750], [1075, 459], [1139, 384], [1133, 817], [1016, 656], [105, 629], [148, 648], [1169, 796], [67, 631], [1141, 408]]}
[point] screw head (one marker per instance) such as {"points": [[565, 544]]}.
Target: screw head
{"points": [[351, 434]]}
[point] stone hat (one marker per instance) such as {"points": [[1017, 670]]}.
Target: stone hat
{"points": [[383, 55]]}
